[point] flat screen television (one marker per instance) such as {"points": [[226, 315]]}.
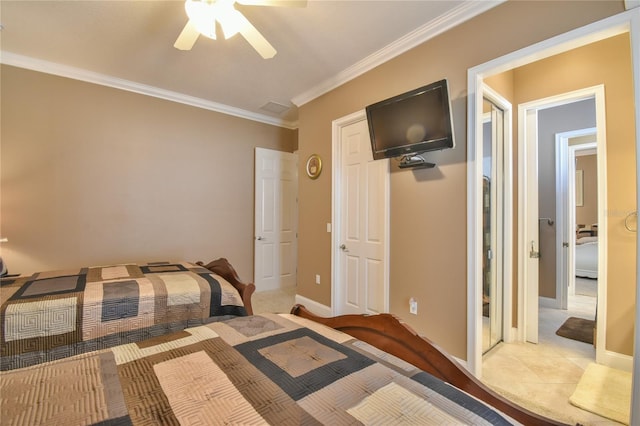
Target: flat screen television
{"points": [[412, 123]]}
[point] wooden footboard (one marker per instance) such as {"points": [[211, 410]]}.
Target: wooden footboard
{"points": [[387, 332], [223, 268]]}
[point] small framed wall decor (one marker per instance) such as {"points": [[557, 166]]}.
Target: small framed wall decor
{"points": [[314, 166]]}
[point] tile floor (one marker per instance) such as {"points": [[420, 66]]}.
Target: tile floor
{"points": [[543, 376], [539, 377], [276, 301]]}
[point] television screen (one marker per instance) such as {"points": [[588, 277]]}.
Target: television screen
{"points": [[411, 123]]}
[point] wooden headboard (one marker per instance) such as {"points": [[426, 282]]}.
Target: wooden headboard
{"points": [[223, 268]]}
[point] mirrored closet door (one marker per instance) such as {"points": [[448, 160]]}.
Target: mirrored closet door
{"points": [[492, 303]]}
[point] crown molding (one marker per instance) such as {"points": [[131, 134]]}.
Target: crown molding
{"points": [[431, 29], [60, 70], [454, 17]]}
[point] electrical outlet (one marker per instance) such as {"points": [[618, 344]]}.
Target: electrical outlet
{"points": [[317, 279], [413, 306]]}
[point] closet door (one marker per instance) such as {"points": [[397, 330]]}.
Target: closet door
{"points": [[492, 303]]}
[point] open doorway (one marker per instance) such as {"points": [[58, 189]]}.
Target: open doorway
{"points": [[548, 227], [572, 213], [569, 207], [585, 252], [582, 289]]}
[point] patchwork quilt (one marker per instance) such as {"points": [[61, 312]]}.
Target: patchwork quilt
{"points": [[264, 369], [52, 315]]}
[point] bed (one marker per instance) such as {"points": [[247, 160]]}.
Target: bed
{"points": [[586, 259], [56, 314], [288, 369]]}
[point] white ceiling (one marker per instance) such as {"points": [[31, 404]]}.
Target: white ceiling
{"points": [[129, 44]]}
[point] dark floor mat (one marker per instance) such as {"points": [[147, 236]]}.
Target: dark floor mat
{"points": [[577, 329]]}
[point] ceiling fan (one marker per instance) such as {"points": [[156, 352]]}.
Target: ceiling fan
{"points": [[203, 15]]}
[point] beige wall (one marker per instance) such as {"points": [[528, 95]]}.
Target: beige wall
{"points": [[94, 175], [587, 214], [428, 207]]}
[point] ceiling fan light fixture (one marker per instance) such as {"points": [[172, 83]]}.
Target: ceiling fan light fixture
{"points": [[202, 15], [232, 22]]}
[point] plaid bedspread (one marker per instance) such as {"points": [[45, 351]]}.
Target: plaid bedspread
{"points": [[52, 315], [266, 369]]}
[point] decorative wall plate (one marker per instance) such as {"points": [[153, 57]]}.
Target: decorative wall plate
{"points": [[314, 166]]}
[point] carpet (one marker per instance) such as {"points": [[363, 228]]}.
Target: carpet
{"points": [[604, 391], [577, 329]]}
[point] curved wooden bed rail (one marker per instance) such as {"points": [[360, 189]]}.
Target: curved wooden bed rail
{"points": [[387, 332], [223, 268]]}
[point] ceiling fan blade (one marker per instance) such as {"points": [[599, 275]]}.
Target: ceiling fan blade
{"points": [[255, 39], [187, 37], [283, 3]]}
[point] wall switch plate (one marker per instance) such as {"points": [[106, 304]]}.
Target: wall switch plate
{"points": [[328, 227], [317, 279], [413, 306]]}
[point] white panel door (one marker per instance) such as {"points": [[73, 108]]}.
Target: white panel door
{"points": [[276, 194], [362, 267]]}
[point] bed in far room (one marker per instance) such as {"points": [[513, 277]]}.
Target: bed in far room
{"points": [[56, 314], [586, 257]]}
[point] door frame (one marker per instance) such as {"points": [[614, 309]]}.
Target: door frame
{"points": [[528, 225], [526, 286], [625, 22], [565, 210], [335, 226]]}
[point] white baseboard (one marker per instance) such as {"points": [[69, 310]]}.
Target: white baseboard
{"points": [[315, 307], [630, 4], [326, 311], [548, 302], [618, 361], [512, 336]]}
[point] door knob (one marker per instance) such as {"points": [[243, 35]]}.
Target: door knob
{"points": [[343, 248], [259, 238]]}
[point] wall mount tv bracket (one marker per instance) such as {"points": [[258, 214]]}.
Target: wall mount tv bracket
{"points": [[414, 161]]}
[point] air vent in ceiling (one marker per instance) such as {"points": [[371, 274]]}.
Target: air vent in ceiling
{"points": [[274, 107]]}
